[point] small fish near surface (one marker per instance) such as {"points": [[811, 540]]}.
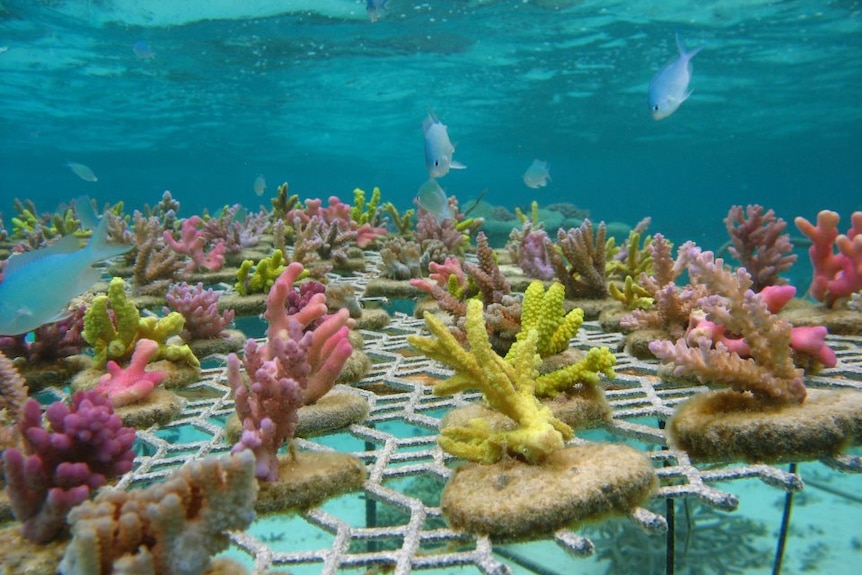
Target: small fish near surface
{"points": [[438, 148], [376, 9], [142, 50], [433, 200], [82, 171], [537, 175], [38, 285], [668, 89], [259, 185]]}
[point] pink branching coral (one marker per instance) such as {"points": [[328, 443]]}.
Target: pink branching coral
{"points": [[836, 275], [123, 386], [199, 307], [768, 372], [760, 244], [169, 528], [233, 232], [192, 243], [84, 446], [295, 367]]}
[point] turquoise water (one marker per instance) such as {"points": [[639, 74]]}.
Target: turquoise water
{"points": [[311, 92]]}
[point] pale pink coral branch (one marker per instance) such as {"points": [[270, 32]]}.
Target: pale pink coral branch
{"points": [[134, 383], [192, 243]]}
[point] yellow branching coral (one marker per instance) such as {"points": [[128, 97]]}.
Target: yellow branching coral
{"points": [[362, 212], [544, 311], [113, 325], [599, 360], [637, 260], [508, 386], [632, 296], [258, 277]]}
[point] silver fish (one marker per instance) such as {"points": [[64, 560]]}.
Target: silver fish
{"points": [[259, 185], [438, 148], [82, 171], [668, 89], [432, 199], [376, 8], [537, 175], [38, 285]]}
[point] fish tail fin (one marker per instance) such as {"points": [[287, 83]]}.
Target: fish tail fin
{"points": [[100, 248], [682, 50]]}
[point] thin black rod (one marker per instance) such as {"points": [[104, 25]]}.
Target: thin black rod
{"points": [[785, 526]]}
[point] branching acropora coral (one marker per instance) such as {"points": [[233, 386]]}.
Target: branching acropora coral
{"points": [[543, 311], [760, 244], [769, 373], [507, 384], [259, 277], [113, 325], [584, 276]]}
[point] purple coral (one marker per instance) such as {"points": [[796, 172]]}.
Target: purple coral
{"points": [[199, 307], [760, 244], [84, 446]]}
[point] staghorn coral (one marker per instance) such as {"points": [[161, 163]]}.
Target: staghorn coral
{"points": [[165, 211], [155, 264], [508, 386], [584, 276], [124, 386], [759, 243], [84, 446], [543, 311], [672, 304], [282, 204], [169, 528], [769, 374], [630, 261]]}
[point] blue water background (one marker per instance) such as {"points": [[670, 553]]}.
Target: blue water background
{"points": [[328, 101]]}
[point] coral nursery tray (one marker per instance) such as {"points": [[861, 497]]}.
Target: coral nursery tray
{"points": [[394, 521]]}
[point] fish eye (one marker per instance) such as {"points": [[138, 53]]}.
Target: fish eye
{"points": [[436, 163], [655, 108]]}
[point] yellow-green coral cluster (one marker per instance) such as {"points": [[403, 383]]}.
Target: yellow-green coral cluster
{"points": [[113, 325], [632, 296], [507, 385], [363, 212], [258, 277], [544, 311]]}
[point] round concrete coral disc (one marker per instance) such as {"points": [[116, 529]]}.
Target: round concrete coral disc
{"points": [[511, 500], [727, 426]]}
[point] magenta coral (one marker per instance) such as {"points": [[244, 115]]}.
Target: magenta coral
{"points": [[134, 383], [84, 446], [295, 367], [836, 275], [192, 243], [199, 307]]}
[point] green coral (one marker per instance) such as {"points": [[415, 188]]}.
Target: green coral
{"points": [[533, 218], [282, 203], [599, 360], [403, 222], [113, 325], [362, 212], [508, 386], [632, 296], [544, 311], [259, 277], [638, 258]]}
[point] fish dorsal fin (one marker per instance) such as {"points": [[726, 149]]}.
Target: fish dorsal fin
{"points": [[66, 245]]}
